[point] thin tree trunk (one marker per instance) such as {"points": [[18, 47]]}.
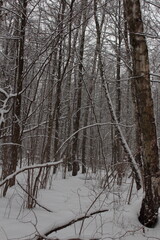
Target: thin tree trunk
{"points": [[89, 104], [76, 122], [70, 57], [50, 109], [1, 18], [59, 80], [116, 143]]}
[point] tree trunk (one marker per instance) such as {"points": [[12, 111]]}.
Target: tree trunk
{"points": [[16, 127], [133, 164], [138, 143], [1, 19], [76, 122], [116, 142], [149, 209], [59, 82]]}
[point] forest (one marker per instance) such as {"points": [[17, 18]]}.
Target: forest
{"points": [[79, 111]]}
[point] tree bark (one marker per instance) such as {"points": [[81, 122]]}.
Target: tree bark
{"points": [[133, 164], [138, 143], [16, 127], [76, 121], [149, 209], [117, 153], [1, 18]]}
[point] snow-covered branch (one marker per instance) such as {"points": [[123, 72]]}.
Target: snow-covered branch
{"points": [[121, 135], [35, 127], [4, 108], [60, 227], [48, 164], [155, 75], [90, 126], [154, 4]]}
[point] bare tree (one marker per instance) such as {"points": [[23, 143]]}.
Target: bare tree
{"points": [[76, 121]]}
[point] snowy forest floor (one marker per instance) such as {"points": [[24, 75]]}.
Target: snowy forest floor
{"points": [[68, 199]]}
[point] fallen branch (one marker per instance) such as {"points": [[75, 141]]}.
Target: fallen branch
{"points": [[48, 164], [55, 229], [48, 210]]}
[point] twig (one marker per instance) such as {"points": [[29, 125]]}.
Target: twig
{"points": [[130, 192], [48, 210]]}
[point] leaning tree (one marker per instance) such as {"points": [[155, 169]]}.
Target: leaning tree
{"points": [[146, 121]]}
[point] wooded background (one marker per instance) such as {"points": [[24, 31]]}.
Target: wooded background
{"points": [[66, 83]]}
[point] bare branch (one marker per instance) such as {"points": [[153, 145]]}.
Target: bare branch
{"points": [[80, 218], [48, 164], [48, 210], [154, 4], [89, 126]]}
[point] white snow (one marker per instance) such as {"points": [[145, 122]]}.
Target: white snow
{"points": [[68, 199]]}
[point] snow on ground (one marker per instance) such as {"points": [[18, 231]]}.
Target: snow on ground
{"points": [[68, 199]]}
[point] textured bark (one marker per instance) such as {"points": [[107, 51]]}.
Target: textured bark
{"points": [[149, 209], [16, 126], [130, 74]]}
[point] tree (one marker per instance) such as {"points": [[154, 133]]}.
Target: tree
{"points": [[117, 158], [14, 52], [17, 121], [150, 159], [133, 164], [76, 121]]}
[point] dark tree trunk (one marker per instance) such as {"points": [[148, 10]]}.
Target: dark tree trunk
{"points": [[72, 53], [76, 122], [1, 18], [116, 143], [17, 122], [149, 209], [137, 154]]}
